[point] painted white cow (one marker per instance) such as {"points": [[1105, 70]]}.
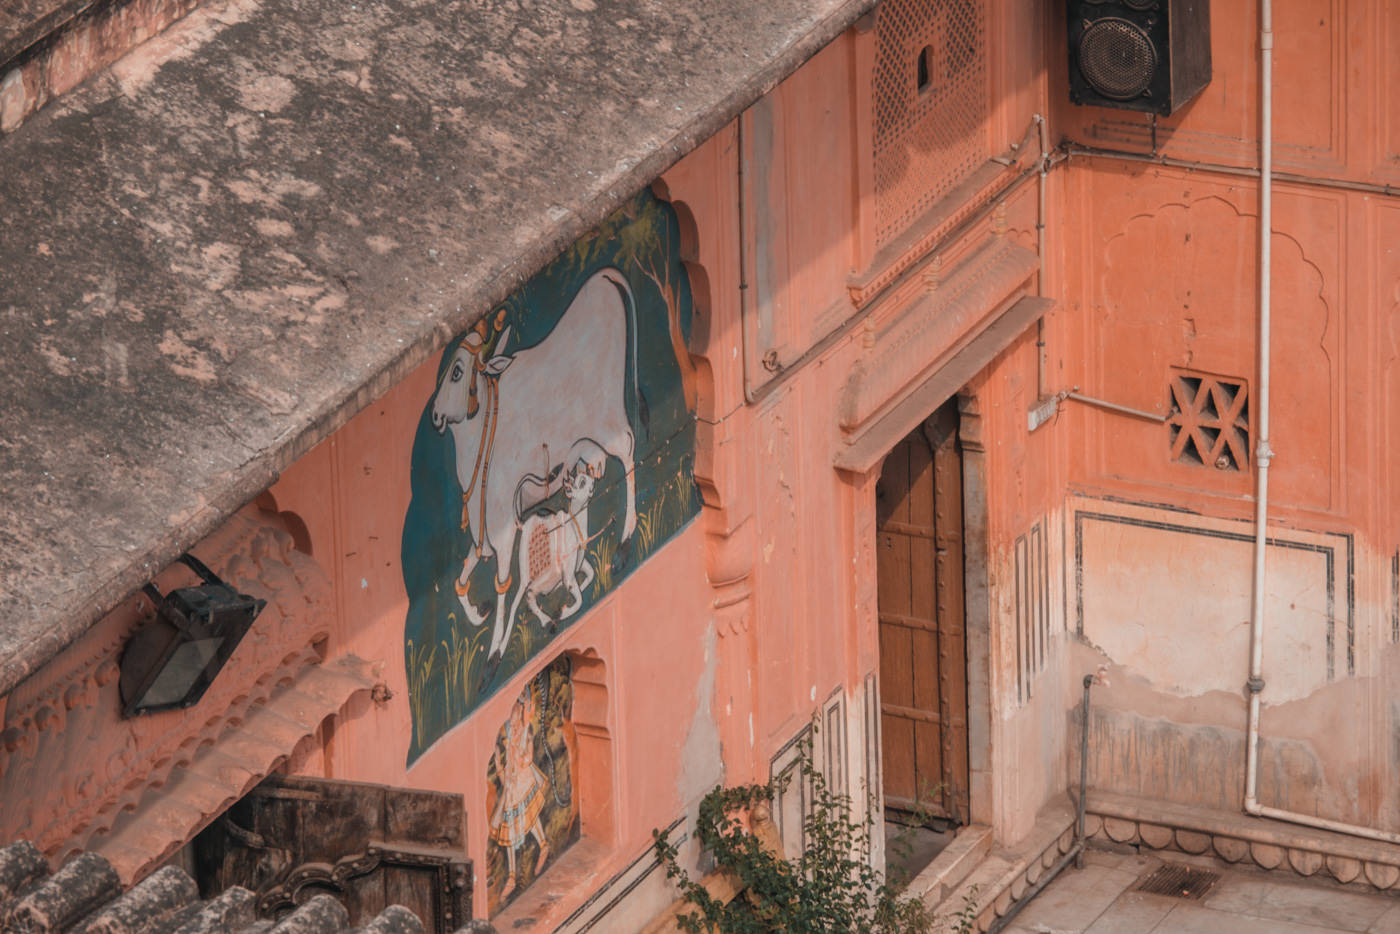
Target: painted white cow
{"points": [[513, 413], [553, 544]]}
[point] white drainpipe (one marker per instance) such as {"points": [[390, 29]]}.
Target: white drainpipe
{"points": [[1264, 453]]}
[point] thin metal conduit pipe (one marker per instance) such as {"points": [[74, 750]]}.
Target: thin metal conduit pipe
{"points": [[1264, 455], [1073, 149], [1076, 851], [1042, 381], [752, 395]]}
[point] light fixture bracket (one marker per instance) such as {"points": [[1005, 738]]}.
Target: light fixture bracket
{"points": [[171, 661]]}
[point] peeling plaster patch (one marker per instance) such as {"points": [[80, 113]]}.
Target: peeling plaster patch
{"points": [[221, 264], [269, 93], [333, 301], [249, 193], [583, 6], [285, 185], [381, 245], [114, 363], [702, 761], [186, 360], [272, 227], [270, 192], [358, 78], [274, 400], [60, 364]]}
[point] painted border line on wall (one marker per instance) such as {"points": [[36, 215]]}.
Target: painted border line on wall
{"points": [[1328, 551]]}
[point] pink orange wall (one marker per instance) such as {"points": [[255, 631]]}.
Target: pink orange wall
{"points": [[720, 649], [1161, 273]]}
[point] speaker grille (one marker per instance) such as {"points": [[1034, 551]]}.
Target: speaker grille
{"points": [[1117, 58]]}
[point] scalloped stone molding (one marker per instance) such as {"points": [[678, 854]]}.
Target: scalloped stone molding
{"points": [[1237, 838]]}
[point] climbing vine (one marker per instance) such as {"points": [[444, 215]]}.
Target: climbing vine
{"points": [[830, 887]]}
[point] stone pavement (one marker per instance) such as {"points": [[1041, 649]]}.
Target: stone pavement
{"points": [[1099, 900]]}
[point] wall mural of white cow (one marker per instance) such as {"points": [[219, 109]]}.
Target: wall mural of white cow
{"points": [[553, 457]]}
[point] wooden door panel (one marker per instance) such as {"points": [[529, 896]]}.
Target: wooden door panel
{"points": [[896, 674], [923, 668], [897, 755], [952, 633]]}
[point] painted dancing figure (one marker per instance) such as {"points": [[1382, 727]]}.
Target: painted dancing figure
{"points": [[523, 786]]}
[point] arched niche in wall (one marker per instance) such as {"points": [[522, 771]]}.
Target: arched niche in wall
{"points": [[549, 778]]}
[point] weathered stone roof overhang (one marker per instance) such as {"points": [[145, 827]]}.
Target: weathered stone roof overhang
{"points": [[224, 246]]}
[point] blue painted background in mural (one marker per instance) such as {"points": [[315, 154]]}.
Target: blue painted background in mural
{"points": [[555, 454]]}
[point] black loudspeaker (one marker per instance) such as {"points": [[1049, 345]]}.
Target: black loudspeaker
{"points": [[1148, 55]]}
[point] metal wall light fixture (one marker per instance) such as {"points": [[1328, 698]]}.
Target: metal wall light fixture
{"points": [[171, 661]]}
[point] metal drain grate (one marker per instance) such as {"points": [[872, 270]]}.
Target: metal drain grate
{"points": [[1179, 881]]}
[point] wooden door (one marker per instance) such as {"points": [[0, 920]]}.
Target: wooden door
{"points": [[923, 661], [369, 846]]}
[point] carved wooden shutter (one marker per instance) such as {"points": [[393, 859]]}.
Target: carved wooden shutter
{"points": [[369, 846]]}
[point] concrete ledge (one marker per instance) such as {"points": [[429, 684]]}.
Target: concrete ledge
{"points": [[1237, 837], [951, 866]]}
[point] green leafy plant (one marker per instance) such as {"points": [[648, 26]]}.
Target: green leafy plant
{"points": [[965, 918], [830, 887]]}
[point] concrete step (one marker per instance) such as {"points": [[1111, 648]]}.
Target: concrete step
{"points": [[1003, 875], [950, 867]]}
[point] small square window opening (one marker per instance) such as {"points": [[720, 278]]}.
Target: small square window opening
{"points": [[1209, 420]]}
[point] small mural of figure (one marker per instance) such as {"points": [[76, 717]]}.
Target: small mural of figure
{"points": [[530, 798], [523, 789]]}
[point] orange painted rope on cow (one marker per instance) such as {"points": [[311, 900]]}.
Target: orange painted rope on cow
{"points": [[493, 399], [480, 453], [461, 588], [483, 461], [505, 588]]}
